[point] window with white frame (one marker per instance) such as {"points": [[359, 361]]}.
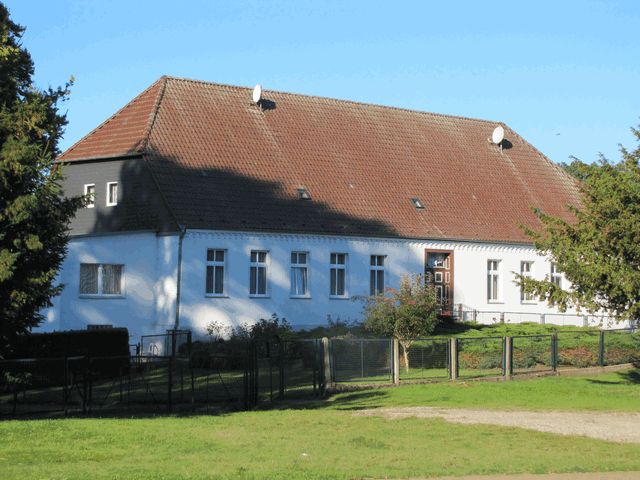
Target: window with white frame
{"points": [[338, 275], [112, 194], [299, 274], [376, 274], [101, 279], [493, 280], [216, 259], [556, 276], [90, 194], [526, 270], [258, 273]]}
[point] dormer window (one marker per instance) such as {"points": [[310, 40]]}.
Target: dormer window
{"points": [[112, 194], [417, 203], [303, 194], [90, 194]]}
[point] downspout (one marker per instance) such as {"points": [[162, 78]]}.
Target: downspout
{"points": [[176, 324]]}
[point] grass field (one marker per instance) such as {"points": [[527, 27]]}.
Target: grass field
{"points": [[322, 439]]}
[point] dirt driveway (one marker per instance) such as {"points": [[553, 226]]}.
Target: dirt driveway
{"points": [[614, 427]]}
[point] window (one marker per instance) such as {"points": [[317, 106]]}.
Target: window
{"points": [[215, 272], [556, 276], [112, 194], [338, 274], [303, 194], [299, 281], [376, 276], [258, 273], [101, 279], [526, 270], [90, 193], [493, 280]]}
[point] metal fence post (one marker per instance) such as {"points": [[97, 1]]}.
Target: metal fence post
{"points": [[601, 349], [65, 391], [170, 384], [395, 361], [326, 362], [453, 358], [542, 319], [554, 352], [283, 365], [361, 358], [508, 356]]}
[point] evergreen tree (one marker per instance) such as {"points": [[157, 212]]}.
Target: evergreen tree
{"points": [[34, 215], [598, 252]]}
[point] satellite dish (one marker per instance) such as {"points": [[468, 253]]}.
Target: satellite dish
{"points": [[257, 93], [498, 135]]}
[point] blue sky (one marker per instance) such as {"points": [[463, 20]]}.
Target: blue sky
{"points": [[563, 74]]}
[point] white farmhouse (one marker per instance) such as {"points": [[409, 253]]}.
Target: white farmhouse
{"points": [[209, 206]]}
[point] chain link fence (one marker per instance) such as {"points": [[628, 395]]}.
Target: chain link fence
{"points": [[578, 349], [480, 356], [532, 353], [361, 360], [426, 359]]}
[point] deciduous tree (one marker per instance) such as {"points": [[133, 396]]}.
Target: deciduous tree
{"points": [[599, 251], [407, 313]]}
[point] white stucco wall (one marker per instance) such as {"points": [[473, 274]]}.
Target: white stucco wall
{"points": [[403, 256], [151, 264], [148, 302]]}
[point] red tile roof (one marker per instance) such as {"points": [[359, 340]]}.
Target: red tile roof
{"points": [[223, 163]]}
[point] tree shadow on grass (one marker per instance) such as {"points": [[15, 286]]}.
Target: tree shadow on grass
{"points": [[350, 401], [626, 377]]}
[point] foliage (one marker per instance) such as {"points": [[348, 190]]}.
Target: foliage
{"points": [[335, 329], [406, 314], [598, 252], [34, 215]]}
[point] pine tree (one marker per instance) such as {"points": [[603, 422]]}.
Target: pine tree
{"points": [[599, 252], [34, 214]]}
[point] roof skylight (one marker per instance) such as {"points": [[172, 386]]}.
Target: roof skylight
{"points": [[303, 194], [417, 203]]}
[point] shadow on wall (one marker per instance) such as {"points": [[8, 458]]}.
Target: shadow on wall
{"points": [[160, 194]]}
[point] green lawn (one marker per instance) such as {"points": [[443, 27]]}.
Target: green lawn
{"points": [[322, 439]]}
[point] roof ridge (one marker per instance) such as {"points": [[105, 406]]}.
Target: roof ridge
{"points": [[154, 114], [338, 100], [105, 122]]}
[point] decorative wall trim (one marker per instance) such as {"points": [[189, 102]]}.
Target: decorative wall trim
{"points": [[307, 239]]}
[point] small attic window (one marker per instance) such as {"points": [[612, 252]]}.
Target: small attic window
{"points": [[417, 203], [303, 194]]}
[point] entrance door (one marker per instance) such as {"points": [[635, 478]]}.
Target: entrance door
{"points": [[439, 273]]}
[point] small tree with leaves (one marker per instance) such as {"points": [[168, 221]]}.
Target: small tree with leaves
{"points": [[599, 251], [34, 214], [406, 313]]}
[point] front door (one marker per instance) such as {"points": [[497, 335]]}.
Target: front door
{"points": [[439, 274]]}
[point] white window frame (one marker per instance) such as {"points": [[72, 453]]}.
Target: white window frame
{"points": [[92, 204], [216, 263], [555, 275], [257, 265], [342, 267], [304, 266], [109, 202], [100, 282], [524, 297], [494, 297], [373, 287]]}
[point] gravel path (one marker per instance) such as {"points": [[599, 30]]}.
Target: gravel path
{"points": [[614, 427]]}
